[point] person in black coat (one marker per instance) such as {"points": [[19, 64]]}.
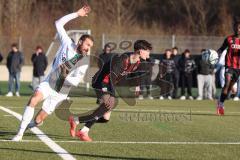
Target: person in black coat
{"points": [[176, 58], [186, 66], [40, 63], [166, 75], [145, 81], [105, 57], [15, 61]]}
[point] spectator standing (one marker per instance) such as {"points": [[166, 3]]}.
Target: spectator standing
{"points": [[186, 66], [145, 81], [39, 61], [15, 61], [204, 78], [166, 74], [176, 58], [104, 58]]}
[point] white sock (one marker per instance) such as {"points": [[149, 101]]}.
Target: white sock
{"points": [[76, 120], [85, 129], [26, 119]]}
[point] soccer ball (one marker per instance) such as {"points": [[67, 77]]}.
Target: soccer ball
{"points": [[210, 56]]}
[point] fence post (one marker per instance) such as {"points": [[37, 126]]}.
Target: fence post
{"points": [[173, 40], [103, 40], [20, 43]]}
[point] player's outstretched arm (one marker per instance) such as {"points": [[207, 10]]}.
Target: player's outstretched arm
{"points": [[82, 12]]}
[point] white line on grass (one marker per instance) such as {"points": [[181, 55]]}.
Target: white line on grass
{"points": [[127, 142], [44, 138], [8, 115], [145, 110]]}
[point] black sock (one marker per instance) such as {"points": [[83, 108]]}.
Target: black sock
{"points": [[96, 114], [89, 124], [102, 120], [223, 97]]}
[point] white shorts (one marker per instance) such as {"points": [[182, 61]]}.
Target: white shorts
{"points": [[51, 98]]}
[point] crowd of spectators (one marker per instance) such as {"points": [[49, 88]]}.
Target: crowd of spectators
{"points": [[174, 70]]}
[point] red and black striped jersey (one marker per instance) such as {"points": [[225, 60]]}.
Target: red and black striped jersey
{"points": [[232, 58], [117, 69]]}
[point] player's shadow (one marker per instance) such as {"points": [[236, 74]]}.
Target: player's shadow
{"points": [[81, 155]]}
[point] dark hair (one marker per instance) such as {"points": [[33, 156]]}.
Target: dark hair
{"points": [[175, 48], [86, 36], [39, 47], [236, 22], [203, 50], [107, 46], [168, 50], [14, 45], [187, 51], [142, 44]]}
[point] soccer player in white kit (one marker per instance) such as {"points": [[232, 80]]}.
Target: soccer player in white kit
{"points": [[65, 73]]}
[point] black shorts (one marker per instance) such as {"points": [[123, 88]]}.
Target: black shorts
{"points": [[232, 74], [104, 89]]}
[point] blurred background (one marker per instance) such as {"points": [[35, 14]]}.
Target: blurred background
{"points": [[166, 22]]}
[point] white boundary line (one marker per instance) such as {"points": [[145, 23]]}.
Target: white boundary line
{"points": [[144, 110], [126, 142], [44, 138]]}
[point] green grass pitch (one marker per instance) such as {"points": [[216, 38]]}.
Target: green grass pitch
{"points": [[148, 121]]}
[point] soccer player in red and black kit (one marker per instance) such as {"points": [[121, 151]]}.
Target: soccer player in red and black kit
{"points": [[121, 68], [232, 64]]}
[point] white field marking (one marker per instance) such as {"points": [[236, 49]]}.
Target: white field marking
{"points": [[144, 110], [8, 115], [134, 142], [44, 138]]}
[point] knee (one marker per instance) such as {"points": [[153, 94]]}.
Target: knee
{"points": [[33, 101], [38, 119], [109, 101]]}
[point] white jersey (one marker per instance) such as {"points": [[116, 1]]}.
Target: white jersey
{"points": [[68, 56]]}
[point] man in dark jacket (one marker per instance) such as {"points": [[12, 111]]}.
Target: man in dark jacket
{"points": [[166, 74], [15, 61], [103, 59], [145, 81], [40, 63], [176, 58], [186, 67]]}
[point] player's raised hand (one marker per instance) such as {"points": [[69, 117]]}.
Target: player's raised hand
{"points": [[84, 11]]}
